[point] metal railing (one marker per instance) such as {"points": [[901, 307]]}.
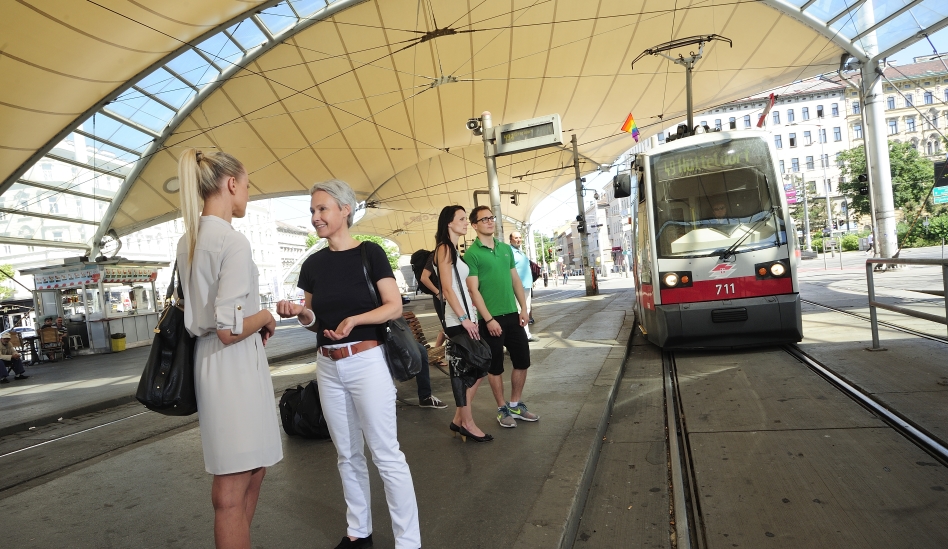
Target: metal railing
{"points": [[873, 304]]}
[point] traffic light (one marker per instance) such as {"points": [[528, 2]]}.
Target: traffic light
{"points": [[462, 246], [580, 224], [515, 198], [863, 189], [835, 224]]}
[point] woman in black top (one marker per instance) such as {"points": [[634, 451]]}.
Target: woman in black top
{"points": [[355, 388]]}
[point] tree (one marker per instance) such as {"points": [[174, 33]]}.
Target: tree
{"points": [[6, 292], [912, 179], [391, 251], [311, 240], [545, 248]]}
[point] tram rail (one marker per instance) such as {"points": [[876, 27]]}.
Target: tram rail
{"points": [[880, 322]]}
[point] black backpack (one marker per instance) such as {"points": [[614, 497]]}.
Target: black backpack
{"points": [[301, 412], [419, 260]]}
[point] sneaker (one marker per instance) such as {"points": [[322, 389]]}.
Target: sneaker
{"points": [[533, 339], [504, 418], [432, 402], [4, 380], [520, 412], [22, 376]]}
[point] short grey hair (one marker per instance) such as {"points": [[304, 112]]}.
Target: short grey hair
{"points": [[341, 192]]}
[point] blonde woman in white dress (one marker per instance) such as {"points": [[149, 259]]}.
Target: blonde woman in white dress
{"points": [[238, 418]]}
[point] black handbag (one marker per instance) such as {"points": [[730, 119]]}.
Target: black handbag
{"points": [[468, 359], [402, 352], [167, 384]]}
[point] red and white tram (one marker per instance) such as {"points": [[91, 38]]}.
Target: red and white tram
{"points": [[715, 248]]}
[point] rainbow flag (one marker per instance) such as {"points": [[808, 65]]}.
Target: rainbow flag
{"points": [[630, 127]]}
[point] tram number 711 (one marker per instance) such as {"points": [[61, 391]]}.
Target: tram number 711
{"points": [[726, 289]]}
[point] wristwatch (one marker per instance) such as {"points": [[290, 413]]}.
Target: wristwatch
{"points": [[462, 318]]}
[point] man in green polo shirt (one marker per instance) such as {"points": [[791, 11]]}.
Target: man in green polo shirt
{"points": [[495, 290]]}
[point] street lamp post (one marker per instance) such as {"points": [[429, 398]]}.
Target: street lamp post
{"points": [[824, 161]]}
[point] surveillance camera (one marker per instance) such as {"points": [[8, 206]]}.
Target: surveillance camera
{"points": [[596, 196], [473, 124]]}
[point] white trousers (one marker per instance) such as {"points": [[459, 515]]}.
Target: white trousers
{"points": [[527, 293], [358, 399]]}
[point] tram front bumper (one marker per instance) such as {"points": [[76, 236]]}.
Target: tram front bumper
{"points": [[731, 323]]}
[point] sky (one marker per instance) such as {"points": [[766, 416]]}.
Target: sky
{"points": [[560, 207]]}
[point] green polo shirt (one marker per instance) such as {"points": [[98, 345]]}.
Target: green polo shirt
{"points": [[492, 269]]}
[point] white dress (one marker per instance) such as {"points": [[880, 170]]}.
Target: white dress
{"points": [[236, 406]]}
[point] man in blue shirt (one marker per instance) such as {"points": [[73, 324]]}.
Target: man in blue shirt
{"points": [[522, 263]]}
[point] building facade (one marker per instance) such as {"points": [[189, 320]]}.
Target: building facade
{"points": [[916, 106]]}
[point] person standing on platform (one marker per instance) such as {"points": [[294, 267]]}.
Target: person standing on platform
{"points": [[11, 360], [240, 430], [458, 308], [63, 338], [496, 291], [522, 263], [355, 387]]}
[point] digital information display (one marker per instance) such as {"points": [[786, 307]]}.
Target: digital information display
{"points": [[940, 192], [528, 135]]}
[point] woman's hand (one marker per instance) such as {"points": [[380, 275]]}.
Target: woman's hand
{"points": [[287, 309], [471, 329], [268, 330], [343, 330]]}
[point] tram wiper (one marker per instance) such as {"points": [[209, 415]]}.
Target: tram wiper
{"points": [[726, 254]]}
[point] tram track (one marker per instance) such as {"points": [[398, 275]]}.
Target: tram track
{"points": [[687, 525]]}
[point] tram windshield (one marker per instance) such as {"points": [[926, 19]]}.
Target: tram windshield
{"points": [[716, 199]]}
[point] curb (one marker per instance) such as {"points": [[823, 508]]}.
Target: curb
{"points": [[112, 402]]}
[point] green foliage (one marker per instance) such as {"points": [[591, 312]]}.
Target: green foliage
{"points": [[912, 179], [311, 240], [545, 247], [850, 243], [391, 250], [6, 292], [817, 242]]}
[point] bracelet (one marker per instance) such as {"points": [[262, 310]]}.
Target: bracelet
{"points": [[311, 322], [488, 321], [462, 318]]}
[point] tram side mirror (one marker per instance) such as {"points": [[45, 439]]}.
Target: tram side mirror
{"points": [[622, 185]]}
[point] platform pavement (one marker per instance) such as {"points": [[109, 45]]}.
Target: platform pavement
{"points": [[520, 490], [91, 382]]}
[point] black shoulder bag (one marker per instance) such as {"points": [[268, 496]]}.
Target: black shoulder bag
{"points": [[167, 384], [402, 352], [469, 359]]}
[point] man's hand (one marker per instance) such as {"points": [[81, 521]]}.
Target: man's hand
{"points": [[493, 328]]}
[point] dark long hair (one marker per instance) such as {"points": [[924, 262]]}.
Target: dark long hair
{"points": [[445, 219], [441, 235]]}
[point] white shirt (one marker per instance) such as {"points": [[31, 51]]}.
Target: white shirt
{"points": [[220, 284], [462, 293]]}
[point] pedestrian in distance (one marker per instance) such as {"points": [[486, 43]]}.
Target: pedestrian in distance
{"points": [[240, 430], [522, 263], [452, 224], [497, 291], [11, 360], [355, 387]]}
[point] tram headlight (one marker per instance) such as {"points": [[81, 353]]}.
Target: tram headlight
{"points": [[675, 279], [772, 269]]}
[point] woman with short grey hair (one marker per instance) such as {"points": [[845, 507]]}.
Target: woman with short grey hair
{"points": [[355, 387]]}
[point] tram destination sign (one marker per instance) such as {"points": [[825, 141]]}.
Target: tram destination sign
{"points": [[528, 135]]}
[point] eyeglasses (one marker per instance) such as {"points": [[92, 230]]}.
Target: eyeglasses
{"points": [[486, 219]]}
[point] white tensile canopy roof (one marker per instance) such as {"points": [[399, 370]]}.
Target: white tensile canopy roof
{"points": [[373, 92]]}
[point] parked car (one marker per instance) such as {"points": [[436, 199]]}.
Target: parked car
{"points": [[22, 331]]}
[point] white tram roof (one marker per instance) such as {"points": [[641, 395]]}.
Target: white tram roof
{"points": [[374, 92]]}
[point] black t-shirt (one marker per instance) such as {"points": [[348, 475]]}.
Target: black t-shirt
{"points": [[339, 289]]}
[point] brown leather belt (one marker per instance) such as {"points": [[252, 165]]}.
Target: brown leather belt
{"points": [[349, 350]]}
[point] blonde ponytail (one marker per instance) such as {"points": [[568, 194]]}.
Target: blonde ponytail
{"points": [[200, 176]]}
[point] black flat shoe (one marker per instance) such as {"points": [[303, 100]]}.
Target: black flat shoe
{"points": [[22, 376], [359, 543], [5, 380], [465, 434]]}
